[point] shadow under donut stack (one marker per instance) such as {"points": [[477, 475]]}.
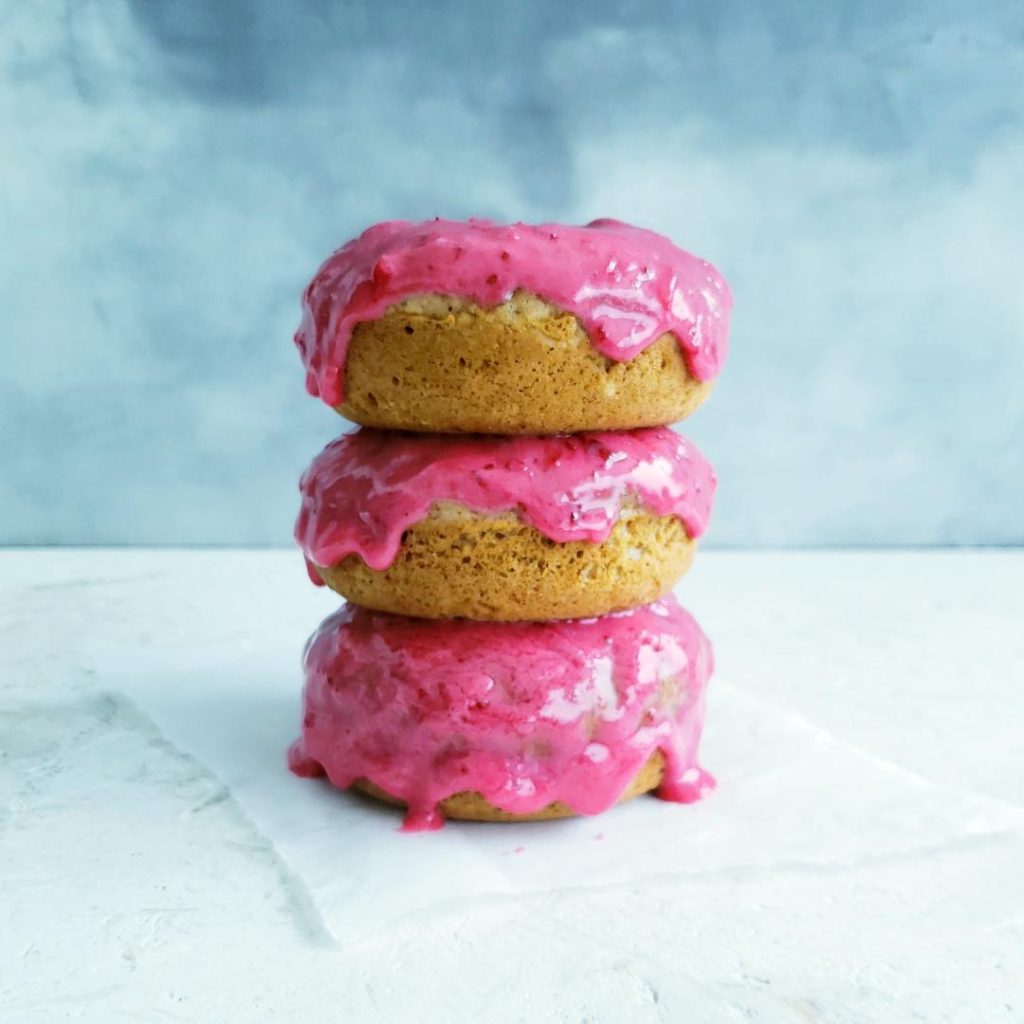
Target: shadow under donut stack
{"points": [[509, 521]]}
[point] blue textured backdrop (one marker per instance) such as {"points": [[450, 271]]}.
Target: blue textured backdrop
{"points": [[173, 172]]}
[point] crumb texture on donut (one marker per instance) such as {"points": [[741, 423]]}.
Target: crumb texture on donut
{"points": [[471, 806], [444, 364], [458, 564]]}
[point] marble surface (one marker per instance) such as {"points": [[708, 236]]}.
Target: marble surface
{"points": [[135, 885]]}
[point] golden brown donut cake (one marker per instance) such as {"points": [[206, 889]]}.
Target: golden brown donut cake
{"points": [[504, 528], [446, 364], [457, 562], [454, 327]]}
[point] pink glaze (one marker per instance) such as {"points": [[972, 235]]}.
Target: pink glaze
{"points": [[523, 713], [365, 489], [627, 286]]}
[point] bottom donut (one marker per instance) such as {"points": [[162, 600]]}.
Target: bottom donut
{"points": [[512, 721]]}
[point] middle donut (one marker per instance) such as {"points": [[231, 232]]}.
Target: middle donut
{"points": [[504, 528]]}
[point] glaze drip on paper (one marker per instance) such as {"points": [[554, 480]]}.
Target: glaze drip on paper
{"points": [[365, 489], [627, 286], [523, 713]]}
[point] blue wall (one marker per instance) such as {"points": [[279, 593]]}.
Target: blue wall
{"points": [[172, 173]]}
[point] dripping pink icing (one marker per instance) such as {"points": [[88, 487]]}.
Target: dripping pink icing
{"points": [[365, 489], [626, 285], [523, 713]]}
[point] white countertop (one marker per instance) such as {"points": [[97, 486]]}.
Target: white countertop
{"points": [[134, 887]]}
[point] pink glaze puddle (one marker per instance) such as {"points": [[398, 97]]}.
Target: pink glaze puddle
{"points": [[523, 713], [626, 285], [364, 489]]}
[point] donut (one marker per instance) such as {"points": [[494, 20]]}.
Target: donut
{"points": [[503, 528], [453, 327], [506, 721]]}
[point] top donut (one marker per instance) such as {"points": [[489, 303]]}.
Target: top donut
{"points": [[451, 327]]}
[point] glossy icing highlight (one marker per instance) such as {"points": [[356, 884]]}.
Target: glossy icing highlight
{"points": [[523, 713], [365, 489], [626, 285]]}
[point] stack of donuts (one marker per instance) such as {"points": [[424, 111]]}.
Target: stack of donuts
{"points": [[509, 521]]}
